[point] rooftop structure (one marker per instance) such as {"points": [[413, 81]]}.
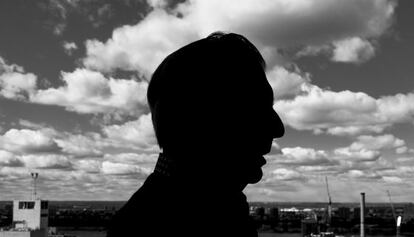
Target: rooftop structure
{"points": [[30, 219]]}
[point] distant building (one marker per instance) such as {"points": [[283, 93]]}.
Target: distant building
{"points": [[309, 227], [273, 216], [31, 214], [292, 209], [357, 213], [344, 212], [30, 219], [260, 211], [408, 212], [274, 212]]}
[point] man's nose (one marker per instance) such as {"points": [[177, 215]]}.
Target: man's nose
{"points": [[278, 129]]}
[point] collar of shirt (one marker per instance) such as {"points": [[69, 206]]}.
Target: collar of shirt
{"points": [[166, 166]]}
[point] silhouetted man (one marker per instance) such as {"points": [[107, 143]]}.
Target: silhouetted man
{"points": [[212, 111]]}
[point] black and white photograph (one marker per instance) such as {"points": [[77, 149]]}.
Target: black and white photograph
{"points": [[256, 118]]}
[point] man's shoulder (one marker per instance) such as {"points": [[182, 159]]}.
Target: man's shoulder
{"points": [[144, 198]]}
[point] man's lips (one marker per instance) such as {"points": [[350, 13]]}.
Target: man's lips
{"points": [[262, 161], [267, 148]]}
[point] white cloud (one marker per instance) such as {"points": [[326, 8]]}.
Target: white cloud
{"points": [[13, 172], [133, 158], [353, 130], [50, 161], [320, 169], [87, 91], [392, 179], [344, 112], [56, 13], [356, 163], [29, 124], [283, 174], [79, 145], [266, 21], [357, 155], [397, 108], [354, 50], [276, 149], [123, 169], [26, 140], [84, 91], [158, 3], [286, 83], [368, 148], [9, 159], [386, 141], [314, 50], [324, 109], [99, 15], [15, 83], [405, 171], [362, 175], [88, 165], [135, 135], [138, 133], [47, 140], [69, 47], [304, 157], [402, 150], [141, 47], [309, 161]]}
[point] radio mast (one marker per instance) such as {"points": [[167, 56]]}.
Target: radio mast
{"points": [[34, 177]]}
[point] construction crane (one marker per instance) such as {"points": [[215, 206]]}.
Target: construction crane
{"points": [[329, 201], [396, 218], [392, 205]]}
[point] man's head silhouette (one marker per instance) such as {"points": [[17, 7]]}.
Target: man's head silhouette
{"points": [[212, 110]]}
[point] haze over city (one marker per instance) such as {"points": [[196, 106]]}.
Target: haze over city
{"points": [[74, 74]]}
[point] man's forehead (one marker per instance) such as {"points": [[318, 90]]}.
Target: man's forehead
{"points": [[262, 89], [256, 94]]}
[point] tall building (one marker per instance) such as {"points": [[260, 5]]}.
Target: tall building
{"points": [[31, 214]]}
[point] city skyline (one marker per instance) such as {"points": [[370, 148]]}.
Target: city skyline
{"points": [[74, 74]]}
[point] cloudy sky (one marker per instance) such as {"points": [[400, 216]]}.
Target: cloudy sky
{"points": [[74, 74]]}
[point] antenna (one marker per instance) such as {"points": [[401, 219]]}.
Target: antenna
{"points": [[329, 200], [34, 177]]}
